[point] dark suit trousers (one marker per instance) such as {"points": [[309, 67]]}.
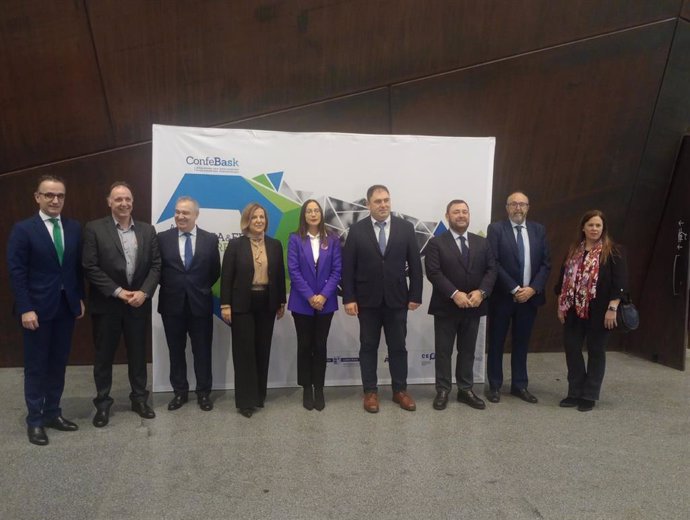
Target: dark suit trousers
{"points": [[312, 334], [394, 323], [584, 382], [446, 330], [252, 333], [200, 330], [505, 313], [107, 329], [46, 351]]}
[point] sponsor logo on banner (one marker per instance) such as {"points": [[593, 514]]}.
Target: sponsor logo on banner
{"points": [[342, 360], [427, 358], [213, 164]]}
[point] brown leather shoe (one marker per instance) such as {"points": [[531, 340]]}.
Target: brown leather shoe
{"points": [[405, 401], [371, 402]]}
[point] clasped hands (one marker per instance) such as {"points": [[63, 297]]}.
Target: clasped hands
{"points": [[468, 300], [132, 298], [317, 302], [523, 294]]}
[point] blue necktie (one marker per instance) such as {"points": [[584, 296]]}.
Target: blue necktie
{"points": [[463, 249], [188, 254], [521, 254], [382, 236]]}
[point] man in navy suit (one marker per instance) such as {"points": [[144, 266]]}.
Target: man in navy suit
{"points": [[524, 263], [380, 253], [122, 264], [190, 265], [462, 270], [43, 257]]}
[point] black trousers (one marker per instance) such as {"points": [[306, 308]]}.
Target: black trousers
{"points": [[107, 329], [584, 381], [394, 324], [312, 335], [200, 331], [251, 349], [446, 330]]}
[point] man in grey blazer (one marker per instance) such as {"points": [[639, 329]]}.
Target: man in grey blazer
{"points": [[462, 271], [122, 264]]}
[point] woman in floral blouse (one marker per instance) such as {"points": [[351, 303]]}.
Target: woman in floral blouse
{"points": [[593, 279]]}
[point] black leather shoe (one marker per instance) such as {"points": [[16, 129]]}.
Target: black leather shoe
{"points": [[493, 395], [569, 402], [102, 417], [308, 397], [469, 397], [62, 424], [523, 394], [176, 402], [441, 400], [246, 412], [205, 403], [585, 405], [37, 435], [319, 398], [143, 410]]}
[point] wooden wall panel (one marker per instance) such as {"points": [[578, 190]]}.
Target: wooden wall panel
{"points": [[87, 180], [569, 127], [685, 11], [671, 121], [210, 62], [51, 100]]}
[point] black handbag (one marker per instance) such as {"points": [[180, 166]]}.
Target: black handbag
{"points": [[627, 316]]}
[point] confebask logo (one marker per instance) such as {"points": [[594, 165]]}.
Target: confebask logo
{"points": [[213, 161]]}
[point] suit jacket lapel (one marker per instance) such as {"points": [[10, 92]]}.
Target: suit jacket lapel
{"points": [[372, 234], [452, 246], [42, 231], [114, 235], [308, 253]]}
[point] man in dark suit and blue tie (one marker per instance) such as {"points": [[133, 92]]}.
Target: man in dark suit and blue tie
{"points": [[524, 264], [43, 258], [190, 265], [462, 270], [122, 264], [380, 253]]}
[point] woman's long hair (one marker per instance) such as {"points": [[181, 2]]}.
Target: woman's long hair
{"points": [[608, 246], [303, 227]]}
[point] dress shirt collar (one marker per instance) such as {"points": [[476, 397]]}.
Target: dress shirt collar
{"points": [[181, 233], [118, 226], [387, 221], [45, 217]]}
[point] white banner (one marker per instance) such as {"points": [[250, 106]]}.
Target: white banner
{"points": [[226, 169]]}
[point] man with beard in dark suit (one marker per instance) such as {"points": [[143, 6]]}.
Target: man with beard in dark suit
{"points": [[462, 270]]}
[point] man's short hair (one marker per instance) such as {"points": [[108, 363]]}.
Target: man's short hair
{"points": [[374, 188], [454, 202], [117, 184], [187, 198], [49, 178]]}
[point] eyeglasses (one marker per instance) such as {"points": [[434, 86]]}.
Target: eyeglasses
{"points": [[51, 196], [515, 205], [315, 211]]}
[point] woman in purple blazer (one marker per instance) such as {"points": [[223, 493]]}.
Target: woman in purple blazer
{"points": [[314, 264]]}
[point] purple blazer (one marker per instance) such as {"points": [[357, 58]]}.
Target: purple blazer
{"points": [[308, 279]]}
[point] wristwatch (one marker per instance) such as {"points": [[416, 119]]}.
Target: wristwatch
{"points": [[483, 293], [612, 308]]}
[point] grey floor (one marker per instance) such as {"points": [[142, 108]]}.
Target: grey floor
{"points": [[627, 459]]}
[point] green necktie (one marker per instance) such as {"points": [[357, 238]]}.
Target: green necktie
{"points": [[57, 238]]}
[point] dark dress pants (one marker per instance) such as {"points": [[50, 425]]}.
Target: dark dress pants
{"points": [[251, 349], [200, 330], [107, 329], [505, 313], [394, 323], [312, 335], [46, 351], [584, 382], [446, 330]]}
